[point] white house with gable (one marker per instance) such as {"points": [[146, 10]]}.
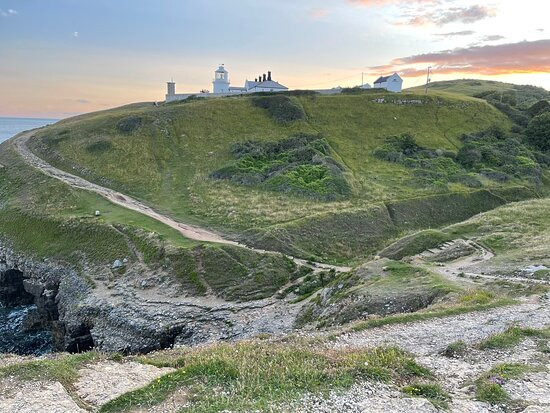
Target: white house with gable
{"points": [[392, 83], [222, 86]]}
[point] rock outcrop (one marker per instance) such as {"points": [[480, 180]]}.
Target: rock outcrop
{"points": [[137, 309]]}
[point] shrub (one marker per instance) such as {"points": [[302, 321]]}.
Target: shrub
{"points": [[538, 132], [280, 107], [300, 164], [539, 108], [99, 146], [129, 124], [455, 349]]}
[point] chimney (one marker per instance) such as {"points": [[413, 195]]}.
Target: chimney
{"points": [[264, 78], [256, 80], [260, 78], [268, 75]]}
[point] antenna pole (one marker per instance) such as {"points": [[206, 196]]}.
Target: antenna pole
{"points": [[428, 79]]}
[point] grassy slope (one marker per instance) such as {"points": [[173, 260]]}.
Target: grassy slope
{"points": [[167, 162], [42, 217], [526, 95]]}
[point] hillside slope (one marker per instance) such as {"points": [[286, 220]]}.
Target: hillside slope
{"points": [[525, 95], [166, 156]]}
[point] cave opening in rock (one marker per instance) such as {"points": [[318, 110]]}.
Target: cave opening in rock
{"points": [[81, 340], [12, 289]]}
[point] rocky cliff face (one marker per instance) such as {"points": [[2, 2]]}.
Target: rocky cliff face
{"points": [[130, 309]]}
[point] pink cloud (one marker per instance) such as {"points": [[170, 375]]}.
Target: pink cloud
{"points": [[441, 17], [522, 57]]}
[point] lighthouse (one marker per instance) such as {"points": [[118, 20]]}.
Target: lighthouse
{"points": [[221, 80]]}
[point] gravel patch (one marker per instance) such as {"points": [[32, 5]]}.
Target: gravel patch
{"points": [[431, 336], [102, 382], [34, 397]]}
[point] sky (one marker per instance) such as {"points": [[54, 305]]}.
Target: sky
{"points": [[63, 57]]}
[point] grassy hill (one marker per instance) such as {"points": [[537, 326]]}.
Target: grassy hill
{"points": [[525, 95], [167, 155]]}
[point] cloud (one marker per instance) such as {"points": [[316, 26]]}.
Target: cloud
{"points": [[453, 34], [510, 58], [318, 13], [540, 30], [492, 38], [369, 3], [76, 34], [441, 17], [7, 13]]}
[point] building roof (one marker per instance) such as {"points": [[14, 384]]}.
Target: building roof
{"points": [[381, 79], [269, 84]]}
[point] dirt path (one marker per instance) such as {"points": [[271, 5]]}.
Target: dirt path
{"points": [[189, 231]]}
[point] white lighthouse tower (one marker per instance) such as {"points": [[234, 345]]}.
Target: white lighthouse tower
{"points": [[221, 80]]}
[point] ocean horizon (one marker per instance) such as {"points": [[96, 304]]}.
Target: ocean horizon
{"points": [[12, 126]]}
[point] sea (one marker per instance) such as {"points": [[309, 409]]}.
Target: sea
{"points": [[15, 335], [12, 126]]}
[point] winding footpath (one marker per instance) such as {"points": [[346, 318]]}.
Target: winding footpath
{"points": [[189, 231]]}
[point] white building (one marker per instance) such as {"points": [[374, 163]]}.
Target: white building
{"points": [[392, 83], [222, 87]]}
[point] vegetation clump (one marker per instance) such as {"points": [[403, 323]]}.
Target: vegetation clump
{"points": [[511, 337], [301, 164], [538, 132], [129, 124], [489, 387], [491, 154], [281, 108], [431, 391], [455, 349], [99, 146]]}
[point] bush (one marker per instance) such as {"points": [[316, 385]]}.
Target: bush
{"points": [[129, 124], [538, 132], [539, 108], [280, 107], [99, 146], [300, 164]]}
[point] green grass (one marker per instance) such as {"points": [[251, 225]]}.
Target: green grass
{"points": [[379, 288], [455, 349], [168, 158], [524, 95], [433, 392], [63, 369], [226, 376], [518, 233], [511, 337], [488, 388]]}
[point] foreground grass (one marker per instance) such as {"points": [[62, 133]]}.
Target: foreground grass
{"points": [[489, 387], [512, 337], [63, 369], [433, 392], [256, 375]]}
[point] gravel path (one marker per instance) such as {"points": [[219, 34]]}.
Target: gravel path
{"points": [[187, 230], [431, 336]]}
